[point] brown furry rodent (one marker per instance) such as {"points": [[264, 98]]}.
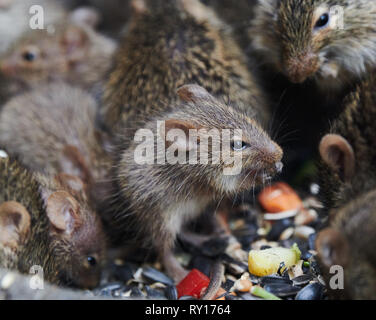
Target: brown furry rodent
{"points": [[74, 53], [153, 201], [348, 153], [52, 130], [332, 42], [348, 184], [349, 243], [114, 13], [43, 222], [169, 44]]}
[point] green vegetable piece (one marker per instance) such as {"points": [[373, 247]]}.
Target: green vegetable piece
{"points": [[262, 293]]}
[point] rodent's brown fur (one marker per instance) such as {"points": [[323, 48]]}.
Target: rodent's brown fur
{"points": [[283, 31], [357, 125], [74, 53], [353, 232], [114, 13], [348, 241], [52, 129], [238, 15], [87, 239], [17, 184], [159, 199], [167, 48], [62, 257]]}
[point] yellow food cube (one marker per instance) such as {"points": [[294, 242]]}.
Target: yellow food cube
{"points": [[266, 262]]}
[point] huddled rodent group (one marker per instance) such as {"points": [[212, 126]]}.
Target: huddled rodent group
{"points": [[80, 98], [332, 46]]}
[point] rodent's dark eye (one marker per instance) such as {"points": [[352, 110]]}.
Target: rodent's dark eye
{"points": [[322, 21], [92, 261], [28, 56], [239, 145]]}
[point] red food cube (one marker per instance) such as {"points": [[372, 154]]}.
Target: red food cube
{"points": [[194, 284]]}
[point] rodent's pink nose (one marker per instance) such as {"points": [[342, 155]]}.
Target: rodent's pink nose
{"points": [[299, 68]]}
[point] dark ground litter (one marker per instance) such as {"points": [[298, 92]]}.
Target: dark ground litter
{"points": [[249, 230]]}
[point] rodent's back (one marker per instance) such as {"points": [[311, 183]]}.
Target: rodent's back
{"points": [[18, 184], [38, 126], [165, 50]]}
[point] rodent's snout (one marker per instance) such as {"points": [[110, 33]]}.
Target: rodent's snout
{"points": [[300, 67], [272, 155], [271, 158]]}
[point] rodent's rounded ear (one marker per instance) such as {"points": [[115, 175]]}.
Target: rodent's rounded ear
{"points": [[63, 212], [14, 223], [74, 42], [192, 93], [338, 154], [86, 15], [332, 248], [177, 131]]}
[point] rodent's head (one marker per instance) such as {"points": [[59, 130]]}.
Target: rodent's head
{"points": [[316, 38], [233, 152], [78, 240], [338, 154], [74, 48], [15, 223], [346, 168], [40, 56], [348, 244], [337, 170]]}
